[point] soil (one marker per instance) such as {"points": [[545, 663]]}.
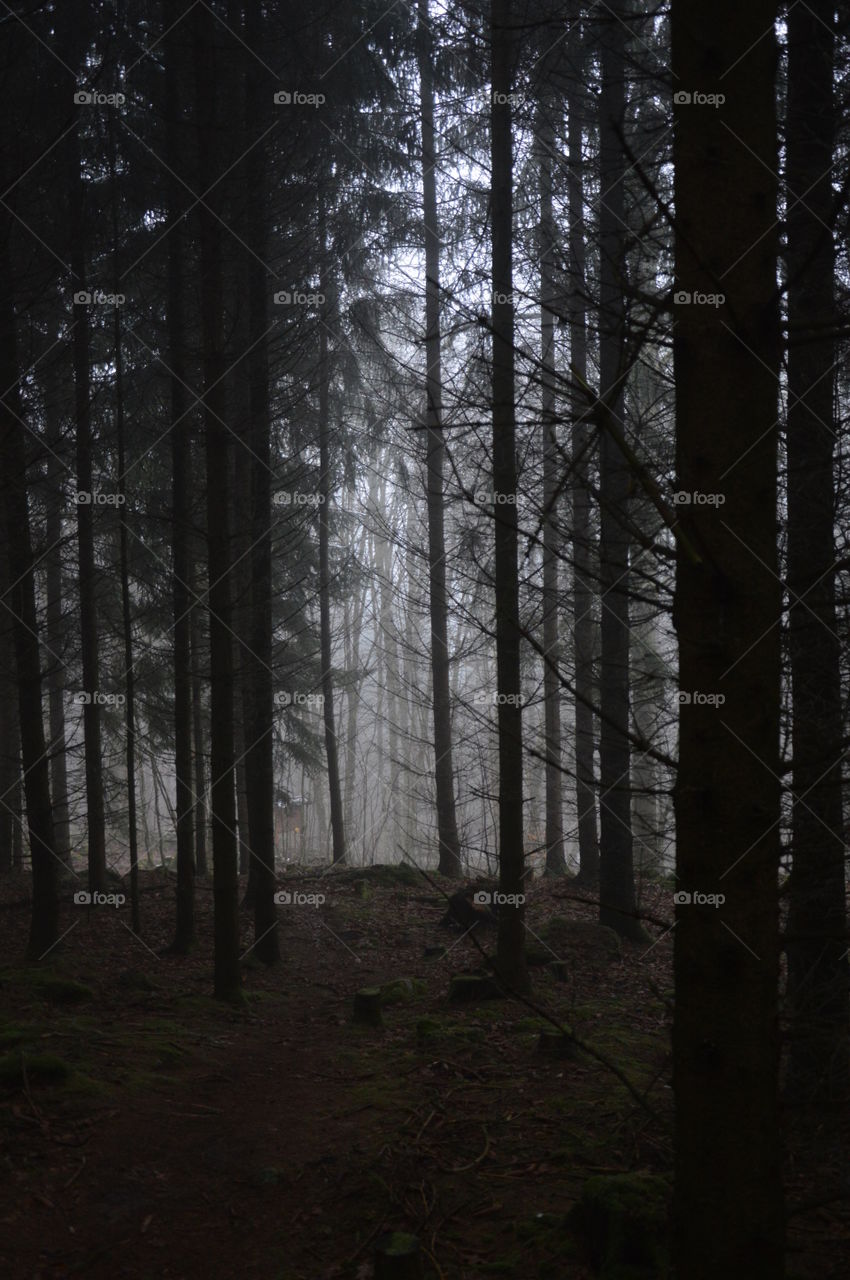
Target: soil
{"points": [[280, 1139]]}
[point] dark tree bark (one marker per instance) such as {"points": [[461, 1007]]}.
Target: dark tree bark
{"points": [[447, 832], [325, 490], [56, 625], [728, 1191], [20, 600], [198, 736], [583, 622], [511, 941], [123, 553], [228, 984], [259, 760], [10, 743], [87, 586], [181, 502], [617, 905], [556, 864], [817, 942]]}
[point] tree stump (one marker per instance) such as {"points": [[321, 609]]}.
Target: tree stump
{"points": [[398, 1257], [466, 987], [367, 1007]]}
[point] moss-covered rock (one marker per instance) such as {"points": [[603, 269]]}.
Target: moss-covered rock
{"points": [[625, 1221], [400, 990], [35, 1068]]}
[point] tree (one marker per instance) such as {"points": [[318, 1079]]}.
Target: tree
{"points": [[616, 870], [728, 1218], [208, 98], [511, 941], [447, 833], [817, 943]]}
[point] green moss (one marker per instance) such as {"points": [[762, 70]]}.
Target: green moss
{"points": [[37, 1068], [64, 990], [624, 1218], [11, 1034], [401, 990]]}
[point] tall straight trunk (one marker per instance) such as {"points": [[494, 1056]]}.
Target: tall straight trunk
{"points": [[218, 462], [326, 639], [123, 553], [198, 737], [259, 759], [56, 625], [555, 860], [20, 599], [181, 494], [511, 939], [728, 1190], [616, 873], [447, 833], [817, 943], [10, 746], [89, 642], [580, 532]]}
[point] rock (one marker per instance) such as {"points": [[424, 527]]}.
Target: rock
{"points": [[625, 1220]]}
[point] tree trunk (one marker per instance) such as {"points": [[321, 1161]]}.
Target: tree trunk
{"points": [[198, 736], [325, 489], [817, 942], [89, 643], [583, 623], [44, 922], [181, 494], [219, 461], [447, 834], [56, 627], [511, 940], [616, 873], [259, 759], [728, 1191], [555, 860]]}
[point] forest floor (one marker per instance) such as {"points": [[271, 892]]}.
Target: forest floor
{"points": [[148, 1131]]}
